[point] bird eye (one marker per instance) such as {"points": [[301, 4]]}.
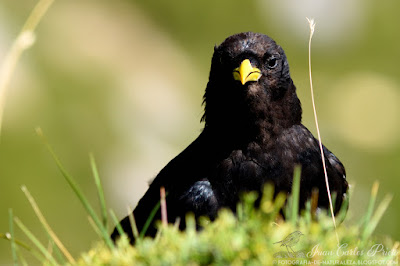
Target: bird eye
{"points": [[272, 62]]}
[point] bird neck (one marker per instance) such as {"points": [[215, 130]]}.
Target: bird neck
{"points": [[255, 119]]}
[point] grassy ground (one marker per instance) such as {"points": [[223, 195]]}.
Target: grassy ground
{"points": [[252, 236]]}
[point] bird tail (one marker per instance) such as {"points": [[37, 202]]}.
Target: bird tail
{"points": [[278, 242]]}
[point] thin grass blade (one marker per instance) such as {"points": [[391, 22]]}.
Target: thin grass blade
{"points": [[163, 204], [36, 242], [295, 197], [22, 260], [371, 204], [12, 239], [19, 243], [58, 254], [100, 190], [307, 212], [132, 220], [370, 227], [25, 39], [77, 191], [343, 209], [149, 220], [121, 231], [46, 226], [312, 29], [94, 226]]}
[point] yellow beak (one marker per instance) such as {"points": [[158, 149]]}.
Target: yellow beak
{"points": [[245, 72]]}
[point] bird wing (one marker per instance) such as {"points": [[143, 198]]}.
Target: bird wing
{"points": [[304, 149], [335, 162], [186, 184]]}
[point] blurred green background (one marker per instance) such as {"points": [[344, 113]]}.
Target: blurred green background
{"points": [[125, 79]]}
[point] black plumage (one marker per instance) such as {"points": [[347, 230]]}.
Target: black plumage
{"points": [[252, 135]]}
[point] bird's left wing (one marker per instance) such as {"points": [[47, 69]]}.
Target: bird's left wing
{"points": [[185, 181]]}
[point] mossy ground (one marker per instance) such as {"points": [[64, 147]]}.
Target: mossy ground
{"points": [[250, 239]]}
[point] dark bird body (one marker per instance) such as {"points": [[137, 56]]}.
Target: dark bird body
{"points": [[252, 135]]}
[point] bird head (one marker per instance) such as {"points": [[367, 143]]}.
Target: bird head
{"points": [[249, 80]]}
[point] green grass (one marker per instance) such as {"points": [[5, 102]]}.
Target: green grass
{"points": [[246, 237]]}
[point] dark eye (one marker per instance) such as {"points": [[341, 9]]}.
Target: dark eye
{"points": [[272, 62]]}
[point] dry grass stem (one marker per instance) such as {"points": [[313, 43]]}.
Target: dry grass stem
{"points": [[164, 217], [311, 23], [50, 231], [25, 39]]}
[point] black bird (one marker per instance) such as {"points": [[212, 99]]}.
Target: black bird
{"points": [[252, 135]]}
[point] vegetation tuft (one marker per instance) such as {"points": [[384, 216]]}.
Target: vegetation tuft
{"points": [[254, 236]]}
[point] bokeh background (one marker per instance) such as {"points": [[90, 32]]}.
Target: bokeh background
{"points": [[125, 79]]}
